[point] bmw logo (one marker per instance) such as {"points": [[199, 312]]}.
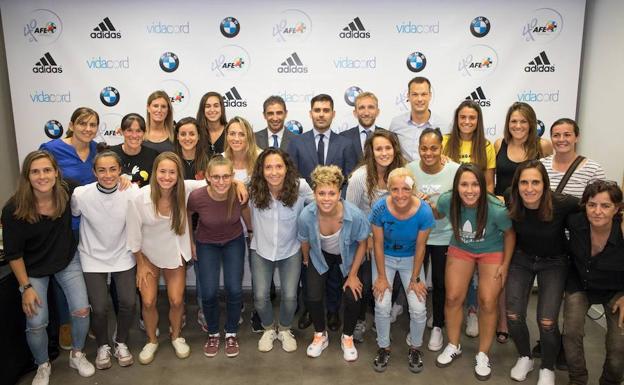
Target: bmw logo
{"points": [[416, 62], [230, 27], [53, 129], [479, 26], [109, 96], [169, 62], [540, 128], [350, 94], [294, 126]]}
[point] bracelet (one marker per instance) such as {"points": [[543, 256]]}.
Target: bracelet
{"points": [[415, 280], [27, 286]]}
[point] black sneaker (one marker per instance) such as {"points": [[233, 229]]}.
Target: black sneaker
{"points": [[414, 360], [256, 323], [381, 360]]}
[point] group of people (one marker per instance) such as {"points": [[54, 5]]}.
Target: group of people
{"points": [[350, 221]]}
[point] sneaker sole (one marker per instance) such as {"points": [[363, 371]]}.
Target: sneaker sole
{"points": [[380, 369], [323, 347], [415, 369], [232, 355], [125, 364], [107, 365], [482, 378], [146, 361], [182, 355], [265, 350], [434, 348], [441, 365], [210, 355]]}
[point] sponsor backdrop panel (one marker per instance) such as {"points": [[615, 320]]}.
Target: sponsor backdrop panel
{"points": [[110, 56]]}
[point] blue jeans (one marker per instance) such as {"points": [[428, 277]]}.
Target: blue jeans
{"points": [[71, 280], [262, 276], [417, 308], [210, 256]]}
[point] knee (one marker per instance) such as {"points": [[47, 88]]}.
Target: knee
{"points": [[149, 303], [36, 325], [547, 325], [514, 318], [417, 308], [81, 313], [488, 305], [176, 302], [348, 296], [99, 308], [453, 300], [383, 306]]}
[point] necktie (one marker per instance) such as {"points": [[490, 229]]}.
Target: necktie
{"points": [[275, 144], [320, 150], [368, 135]]}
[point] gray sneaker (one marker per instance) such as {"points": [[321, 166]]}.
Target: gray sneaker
{"points": [[358, 332]]}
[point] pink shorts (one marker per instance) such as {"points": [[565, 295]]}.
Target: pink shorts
{"points": [[495, 258]]}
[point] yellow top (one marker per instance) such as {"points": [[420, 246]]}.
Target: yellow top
{"points": [[465, 150]]}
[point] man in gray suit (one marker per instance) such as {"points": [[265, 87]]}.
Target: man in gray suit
{"points": [[275, 135], [365, 111]]}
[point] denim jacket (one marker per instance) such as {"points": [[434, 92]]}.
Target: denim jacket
{"points": [[355, 228]]}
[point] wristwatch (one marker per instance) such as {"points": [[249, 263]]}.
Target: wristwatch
{"points": [[416, 280], [27, 286]]}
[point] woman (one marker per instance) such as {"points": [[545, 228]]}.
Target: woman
{"points": [[367, 184], [102, 206], [240, 148], [596, 277], [401, 224], [432, 179], [520, 143], [211, 119], [332, 232], [482, 236], [38, 243], [564, 134], [219, 240], [159, 135], [136, 160], [538, 216], [190, 145], [158, 236], [277, 196]]}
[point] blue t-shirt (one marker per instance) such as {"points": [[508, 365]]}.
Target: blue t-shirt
{"points": [[72, 167], [400, 235]]}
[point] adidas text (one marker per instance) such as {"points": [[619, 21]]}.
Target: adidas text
{"points": [[539, 68], [292, 70], [355, 35], [47, 69], [105, 35]]}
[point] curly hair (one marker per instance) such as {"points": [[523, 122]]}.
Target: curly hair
{"points": [[327, 175], [368, 161], [259, 188]]}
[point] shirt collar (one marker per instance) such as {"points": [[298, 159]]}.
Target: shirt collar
{"points": [[360, 128], [317, 132], [279, 134]]}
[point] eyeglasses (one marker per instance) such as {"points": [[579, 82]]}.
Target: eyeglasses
{"points": [[224, 177]]}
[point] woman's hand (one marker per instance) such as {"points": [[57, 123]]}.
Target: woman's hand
{"points": [[379, 287], [143, 275], [30, 302], [501, 274], [193, 251], [619, 305], [420, 289], [124, 183], [241, 192], [353, 283]]}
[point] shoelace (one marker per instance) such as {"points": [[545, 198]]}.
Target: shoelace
{"points": [[103, 352], [318, 339], [482, 360], [231, 341], [348, 342], [122, 350]]}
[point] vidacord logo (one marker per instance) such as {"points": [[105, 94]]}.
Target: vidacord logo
{"points": [[163, 28], [549, 96], [47, 64], [42, 96], [354, 30], [416, 28], [348, 63], [478, 96], [540, 63], [104, 63], [292, 64], [232, 98], [105, 30]]}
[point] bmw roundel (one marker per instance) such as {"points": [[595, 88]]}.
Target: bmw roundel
{"points": [[541, 128], [109, 96], [479, 26], [416, 62], [294, 126], [169, 62], [230, 27], [53, 129], [350, 94]]}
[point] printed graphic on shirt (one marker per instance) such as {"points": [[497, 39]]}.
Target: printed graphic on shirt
{"points": [[467, 234], [432, 190]]}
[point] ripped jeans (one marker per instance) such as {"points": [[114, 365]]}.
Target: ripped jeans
{"points": [[71, 280]]}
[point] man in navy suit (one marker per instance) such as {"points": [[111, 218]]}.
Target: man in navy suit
{"points": [[275, 134], [365, 111]]}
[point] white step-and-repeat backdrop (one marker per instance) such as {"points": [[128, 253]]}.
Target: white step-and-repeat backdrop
{"points": [[111, 55]]}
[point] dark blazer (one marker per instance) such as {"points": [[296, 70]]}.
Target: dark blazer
{"points": [[353, 134], [262, 138], [302, 150]]}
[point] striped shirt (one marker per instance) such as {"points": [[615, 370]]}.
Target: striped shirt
{"points": [[588, 171], [357, 191]]}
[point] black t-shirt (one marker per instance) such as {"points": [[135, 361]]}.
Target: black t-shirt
{"points": [[545, 239], [47, 246], [217, 147], [138, 166]]}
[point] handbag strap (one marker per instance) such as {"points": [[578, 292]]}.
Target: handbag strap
{"points": [[569, 173]]}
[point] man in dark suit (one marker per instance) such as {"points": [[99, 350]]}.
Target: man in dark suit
{"points": [[365, 111], [322, 146], [275, 134]]}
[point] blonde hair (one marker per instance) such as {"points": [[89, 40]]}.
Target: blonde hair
{"points": [[252, 149], [366, 94], [216, 161], [327, 175], [404, 173], [160, 94], [177, 199]]}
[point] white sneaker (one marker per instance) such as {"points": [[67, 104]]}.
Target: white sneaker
{"points": [[319, 343], [523, 366], [436, 341], [289, 343], [103, 358], [147, 353], [182, 350], [546, 377], [265, 344], [395, 312], [448, 355], [482, 367], [349, 352], [79, 362], [43, 374], [472, 325], [123, 355]]}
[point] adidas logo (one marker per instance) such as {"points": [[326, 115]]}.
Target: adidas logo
{"points": [[540, 63], [47, 64], [354, 30], [479, 96], [233, 99], [105, 30], [292, 64]]}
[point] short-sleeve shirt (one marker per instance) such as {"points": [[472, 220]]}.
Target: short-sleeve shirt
{"points": [[138, 166], [497, 222], [400, 235], [465, 152], [587, 172], [214, 225]]}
